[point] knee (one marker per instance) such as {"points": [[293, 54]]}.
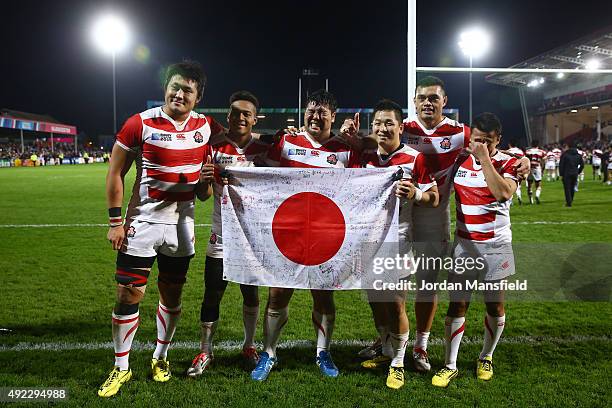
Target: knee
{"points": [[279, 298], [129, 295], [323, 301]]}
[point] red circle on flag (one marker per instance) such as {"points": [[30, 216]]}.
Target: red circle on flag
{"points": [[308, 228]]}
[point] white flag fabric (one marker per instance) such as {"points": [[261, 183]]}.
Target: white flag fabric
{"points": [[308, 228]]}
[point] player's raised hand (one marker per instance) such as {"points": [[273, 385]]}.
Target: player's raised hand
{"points": [[479, 150], [350, 127], [207, 174], [115, 236], [523, 167], [405, 189]]}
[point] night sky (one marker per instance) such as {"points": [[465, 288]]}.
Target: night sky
{"points": [[49, 66]]}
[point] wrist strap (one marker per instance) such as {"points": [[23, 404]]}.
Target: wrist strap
{"points": [[114, 217], [418, 195]]}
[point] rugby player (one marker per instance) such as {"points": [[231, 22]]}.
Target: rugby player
{"points": [[236, 148], [596, 163], [536, 157], [317, 146], [519, 154], [484, 182], [550, 165], [416, 186], [170, 146], [440, 139]]}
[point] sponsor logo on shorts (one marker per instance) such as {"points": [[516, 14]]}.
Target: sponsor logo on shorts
{"points": [[198, 138], [332, 159], [445, 143], [131, 232], [213, 238], [297, 152], [506, 265]]}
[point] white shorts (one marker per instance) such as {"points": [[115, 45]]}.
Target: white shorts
{"points": [[431, 232], [215, 246], [550, 166], [494, 261], [146, 239], [535, 174], [596, 162]]}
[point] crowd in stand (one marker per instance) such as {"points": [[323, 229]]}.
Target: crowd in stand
{"points": [[40, 153]]}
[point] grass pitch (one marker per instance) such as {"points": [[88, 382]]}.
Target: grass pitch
{"points": [[58, 291]]}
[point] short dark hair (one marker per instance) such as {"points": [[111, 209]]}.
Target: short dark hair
{"points": [[487, 122], [535, 143], [430, 80], [244, 96], [323, 98], [188, 70], [389, 105]]}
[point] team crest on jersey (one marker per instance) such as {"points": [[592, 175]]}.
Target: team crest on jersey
{"points": [[131, 232], [332, 159], [213, 238], [445, 143], [297, 152], [427, 140], [198, 138]]}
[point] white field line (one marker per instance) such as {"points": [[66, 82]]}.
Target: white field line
{"points": [[208, 225], [232, 345]]}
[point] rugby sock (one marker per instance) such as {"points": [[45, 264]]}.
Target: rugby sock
{"points": [[494, 326], [324, 328], [167, 319], [274, 321], [453, 331], [387, 350], [421, 340], [249, 320], [398, 343], [518, 192], [538, 192], [206, 338], [124, 330]]}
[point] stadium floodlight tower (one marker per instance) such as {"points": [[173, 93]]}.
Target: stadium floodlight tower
{"points": [[474, 42], [111, 35]]}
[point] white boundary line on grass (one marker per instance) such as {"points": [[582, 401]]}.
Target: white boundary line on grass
{"points": [[232, 345], [208, 225]]}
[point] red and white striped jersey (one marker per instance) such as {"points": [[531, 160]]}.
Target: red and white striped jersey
{"points": [[480, 217], [301, 150], [169, 158], [226, 153], [412, 163], [516, 151], [535, 156], [596, 157], [440, 146], [597, 152], [557, 153], [551, 157]]}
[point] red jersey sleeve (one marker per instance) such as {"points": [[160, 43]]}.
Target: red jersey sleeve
{"points": [[509, 170], [130, 135], [467, 133], [420, 174], [355, 161], [215, 127], [275, 151]]}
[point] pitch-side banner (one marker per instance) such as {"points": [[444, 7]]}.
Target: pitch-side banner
{"points": [[307, 228]]}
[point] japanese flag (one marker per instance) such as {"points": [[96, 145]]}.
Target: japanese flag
{"points": [[311, 228]]}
